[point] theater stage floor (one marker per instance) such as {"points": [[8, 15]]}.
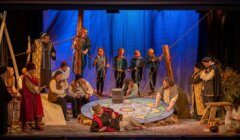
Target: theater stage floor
{"points": [[73, 129]]}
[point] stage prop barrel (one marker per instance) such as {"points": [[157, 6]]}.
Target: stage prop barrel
{"points": [[117, 96]]}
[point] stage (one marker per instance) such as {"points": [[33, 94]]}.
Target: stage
{"points": [[186, 129]]}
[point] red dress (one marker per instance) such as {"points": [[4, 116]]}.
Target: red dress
{"points": [[31, 105]]}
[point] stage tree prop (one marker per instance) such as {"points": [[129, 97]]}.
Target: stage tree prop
{"points": [[230, 84]]}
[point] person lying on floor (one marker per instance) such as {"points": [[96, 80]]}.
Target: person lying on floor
{"points": [[106, 120]]}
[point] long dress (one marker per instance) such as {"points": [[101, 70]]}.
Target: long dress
{"points": [[31, 105], [4, 99], [79, 59], [197, 99], [41, 57]]}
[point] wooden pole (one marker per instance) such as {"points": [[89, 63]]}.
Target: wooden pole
{"points": [[12, 53], [80, 20], [167, 57], [3, 18]]}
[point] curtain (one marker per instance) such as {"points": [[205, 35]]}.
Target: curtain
{"points": [[131, 30]]}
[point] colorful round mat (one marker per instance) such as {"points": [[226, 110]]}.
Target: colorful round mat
{"points": [[139, 108]]}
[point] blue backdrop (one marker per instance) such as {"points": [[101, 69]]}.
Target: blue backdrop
{"points": [[130, 29]]}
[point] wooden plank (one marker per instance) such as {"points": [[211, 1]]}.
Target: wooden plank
{"points": [[3, 18], [212, 114], [205, 115], [11, 53], [219, 104]]}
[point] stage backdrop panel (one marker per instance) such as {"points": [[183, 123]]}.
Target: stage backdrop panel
{"points": [[130, 29]]}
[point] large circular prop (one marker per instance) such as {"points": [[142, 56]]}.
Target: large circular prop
{"points": [[139, 108]]}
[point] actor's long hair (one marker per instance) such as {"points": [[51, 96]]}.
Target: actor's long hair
{"points": [[127, 81], [169, 81]]}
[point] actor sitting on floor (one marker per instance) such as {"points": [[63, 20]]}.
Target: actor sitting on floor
{"points": [[130, 89], [57, 94], [106, 120], [81, 90], [232, 118], [176, 99], [31, 105]]}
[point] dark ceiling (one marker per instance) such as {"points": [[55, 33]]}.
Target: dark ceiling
{"points": [[120, 4]]}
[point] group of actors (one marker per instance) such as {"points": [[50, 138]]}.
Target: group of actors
{"points": [[37, 77]]}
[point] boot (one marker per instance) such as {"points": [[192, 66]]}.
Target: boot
{"points": [[38, 124]]}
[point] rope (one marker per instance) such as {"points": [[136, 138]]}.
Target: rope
{"points": [[180, 38], [171, 46]]}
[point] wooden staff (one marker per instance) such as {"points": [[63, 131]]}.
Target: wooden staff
{"points": [[80, 20], [29, 49], [78, 54], [167, 57], [5, 31], [3, 18]]}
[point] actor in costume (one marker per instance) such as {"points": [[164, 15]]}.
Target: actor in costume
{"points": [[31, 105], [10, 82], [152, 63], [174, 97], [42, 53], [57, 94], [120, 65], [130, 89], [196, 85], [65, 69], [211, 81], [232, 118], [20, 79], [136, 66], [5, 98], [81, 90], [101, 65], [81, 46], [106, 120]]}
